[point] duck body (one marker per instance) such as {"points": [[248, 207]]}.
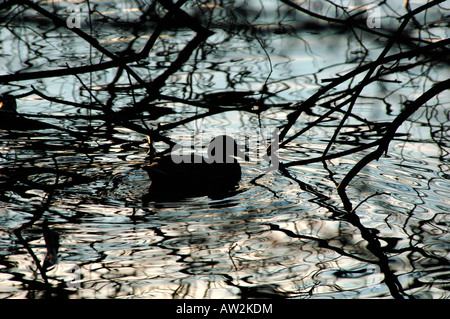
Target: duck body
{"points": [[176, 177]]}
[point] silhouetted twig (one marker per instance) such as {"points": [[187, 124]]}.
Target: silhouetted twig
{"points": [[383, 143]]}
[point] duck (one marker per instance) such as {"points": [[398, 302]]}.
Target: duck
{"points": [[8, 105], [184, 176]]}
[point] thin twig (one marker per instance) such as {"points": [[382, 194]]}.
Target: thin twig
{"points": [[383, 143]]}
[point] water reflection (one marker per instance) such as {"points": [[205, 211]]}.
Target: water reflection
{"points": [[73, 168]]}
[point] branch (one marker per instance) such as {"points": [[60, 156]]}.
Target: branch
{"points": [[92, 41], [388, 136], [311, 101]]}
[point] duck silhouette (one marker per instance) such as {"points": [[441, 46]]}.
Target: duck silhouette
{"points": [[182, 176], [10, 119]]}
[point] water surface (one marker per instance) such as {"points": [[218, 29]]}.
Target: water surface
{"points": [[279, 234]]}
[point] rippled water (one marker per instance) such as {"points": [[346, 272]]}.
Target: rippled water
{"points": [[281, 234]]}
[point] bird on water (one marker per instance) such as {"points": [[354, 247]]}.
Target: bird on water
{"points": [[182, 176]]}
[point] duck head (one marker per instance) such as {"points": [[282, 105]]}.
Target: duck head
{"points": [[8, 104]]}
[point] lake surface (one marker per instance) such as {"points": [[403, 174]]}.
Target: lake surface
{"points": [[282, 233]]}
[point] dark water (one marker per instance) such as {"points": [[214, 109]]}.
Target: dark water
{"points": [[280, 234]]}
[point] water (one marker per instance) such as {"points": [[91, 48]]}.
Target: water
{"points": [[280, 234]]}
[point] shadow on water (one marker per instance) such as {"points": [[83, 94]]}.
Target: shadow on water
{"points": [[342, 192]]}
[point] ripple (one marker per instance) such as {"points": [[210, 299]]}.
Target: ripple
{"points": [[436, 276], [274, 236]]}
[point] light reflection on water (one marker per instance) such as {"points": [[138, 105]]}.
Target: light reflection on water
{"points": [[278, 235], [219, 248]]}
